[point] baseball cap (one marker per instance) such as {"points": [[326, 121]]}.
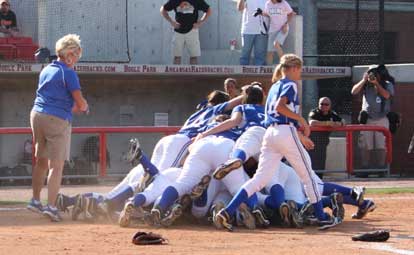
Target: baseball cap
{"points": [[372, 68]]}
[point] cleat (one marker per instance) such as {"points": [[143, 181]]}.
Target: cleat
{"points": [[362, 212], [260, 217], [90, 208], [327, 224], [215, 209], [358, 194], [337, 205], [185, 202], [35, 206], [156, 217], [52, 214], [125, 216], [225, 168], [79, 207], [175, 212], [134, 152], [198, 190], [306, 213], [247, 217], [62, 202], [222, 218], [284, 211], [295, 219]]}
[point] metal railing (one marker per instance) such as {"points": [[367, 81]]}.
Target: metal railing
{"points": [[102, 132]]}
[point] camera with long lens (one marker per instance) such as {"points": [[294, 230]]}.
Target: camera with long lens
{"points": [[372, 76], [258, 12]]}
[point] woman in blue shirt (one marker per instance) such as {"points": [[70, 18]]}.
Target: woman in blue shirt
{"points": [[58, 95]]}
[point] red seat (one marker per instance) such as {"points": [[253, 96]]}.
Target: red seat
{"points": [[3, 40], [19, 40], [26, 52], [7, 51]]}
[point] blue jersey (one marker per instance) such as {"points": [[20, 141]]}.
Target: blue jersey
{"points": [[252, 114], [198, 120], [233, 133], [283, 88], [54, 92]]}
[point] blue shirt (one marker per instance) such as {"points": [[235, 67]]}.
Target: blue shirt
{"points": [[252, 115], [54, 92], [198, 120], [283, 88], [233, 133]]}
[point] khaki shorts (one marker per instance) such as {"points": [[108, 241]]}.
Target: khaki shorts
{"points": [[51, 135], [373, 140], [191, 40]]}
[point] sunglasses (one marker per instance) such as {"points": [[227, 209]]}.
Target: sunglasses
{"points": [[325, 104]]}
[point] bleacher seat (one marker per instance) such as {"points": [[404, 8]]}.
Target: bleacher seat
{"points": [[3, 40], [7, 52], [19, 40]]}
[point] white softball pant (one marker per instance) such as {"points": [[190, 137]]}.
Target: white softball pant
{"points": [[160, 183], [251, 141], [205, 156], [283, 141], [170, 150]]}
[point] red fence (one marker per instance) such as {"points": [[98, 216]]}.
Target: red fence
{"points": [[103, 131]]}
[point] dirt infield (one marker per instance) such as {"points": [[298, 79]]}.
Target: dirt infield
{"points": [[23, 232]]}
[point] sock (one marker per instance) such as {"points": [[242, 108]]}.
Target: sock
{"points": [[139, 200], [326, 201], [240, 154], [239, 198], [148, 166], [252, 201], [277, 197], [348, 200], [319, 213], [329, 188], [201, 201], [117, 202], [168, 197]]}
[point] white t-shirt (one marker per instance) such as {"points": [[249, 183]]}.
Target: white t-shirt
{"points": [[250, 24], [278, 14]]}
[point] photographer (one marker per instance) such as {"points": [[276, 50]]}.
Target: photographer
{"points": [[378, 89], [253, 32]]}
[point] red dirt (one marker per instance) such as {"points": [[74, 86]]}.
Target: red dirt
{"points": [[23, 232]]}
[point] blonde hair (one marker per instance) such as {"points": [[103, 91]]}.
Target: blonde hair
{"points": [[286, 61], [67, 43]]}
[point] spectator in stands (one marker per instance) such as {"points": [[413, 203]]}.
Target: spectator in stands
{"points": [[280, 14], [322, 116], [58, 96], [186, 25], [378, 89], [230, 86], [253, 32], [8, 22]]}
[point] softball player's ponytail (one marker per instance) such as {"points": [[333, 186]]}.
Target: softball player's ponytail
{"points": [[286, 61], [277, 74]]}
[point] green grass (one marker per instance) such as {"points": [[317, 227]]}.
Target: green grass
{"points": [[395, 190], [5, 203]]}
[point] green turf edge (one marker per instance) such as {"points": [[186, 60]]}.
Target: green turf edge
{"points": [[392, 190]]}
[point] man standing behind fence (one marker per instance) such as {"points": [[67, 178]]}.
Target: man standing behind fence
{"points": [[186, 25], [323, 116], [57, 96]]}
